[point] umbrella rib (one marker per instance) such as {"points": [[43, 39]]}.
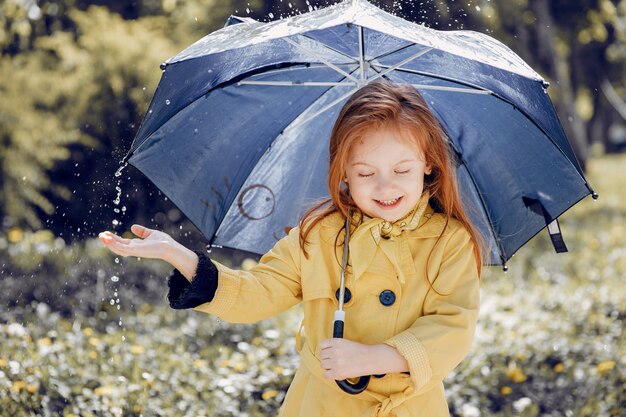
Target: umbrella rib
{"points": [[427, 74], [399, 64], [322, 60], [361, 55], [386, 54], [490, 223], [451, 89], [320, 111], [303, 35]]}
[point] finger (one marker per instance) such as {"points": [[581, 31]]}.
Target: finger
{"points": [[140, 230], [326, 344], [111, 238]]}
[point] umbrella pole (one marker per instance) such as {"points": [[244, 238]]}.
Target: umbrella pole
{"points": [[340, 317]]}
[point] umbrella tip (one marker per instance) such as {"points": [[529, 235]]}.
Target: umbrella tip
{"points": [[163, 66], [595, 196], [505, 268]]}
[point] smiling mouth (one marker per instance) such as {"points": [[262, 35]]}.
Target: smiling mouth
{"points": [[389, 203]]}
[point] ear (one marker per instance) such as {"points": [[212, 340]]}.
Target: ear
{"points": [[428, 169]]}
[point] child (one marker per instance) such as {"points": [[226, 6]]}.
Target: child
{"points": [[412, 280]]}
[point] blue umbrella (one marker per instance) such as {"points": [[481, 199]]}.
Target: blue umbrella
{"points": [[237, 132]]}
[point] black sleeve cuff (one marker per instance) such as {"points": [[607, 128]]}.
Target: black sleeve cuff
{"points": [[183, 294]]}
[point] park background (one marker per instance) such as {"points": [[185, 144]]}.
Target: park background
{"points": [[83, 332]]}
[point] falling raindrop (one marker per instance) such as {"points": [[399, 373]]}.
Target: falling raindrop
{"points": [[167, 102]]}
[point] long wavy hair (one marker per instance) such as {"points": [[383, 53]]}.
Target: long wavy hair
{"points": [[401, 108]]}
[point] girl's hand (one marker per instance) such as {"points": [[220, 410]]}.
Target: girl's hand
{"points": [[342, 358], [151, 244]]}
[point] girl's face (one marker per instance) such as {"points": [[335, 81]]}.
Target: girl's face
{"points": [[385, 174]]}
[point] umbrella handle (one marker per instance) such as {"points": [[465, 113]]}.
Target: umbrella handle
{"points": [[345, 385]]}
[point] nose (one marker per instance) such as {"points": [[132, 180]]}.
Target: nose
{"points": [[385, 182]]}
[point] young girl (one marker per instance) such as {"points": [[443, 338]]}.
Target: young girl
{"points": [[412, 279]]}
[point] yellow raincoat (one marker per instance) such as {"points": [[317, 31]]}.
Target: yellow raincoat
{"points": [[433, 330]]}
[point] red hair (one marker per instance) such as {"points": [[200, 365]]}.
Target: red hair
{"points": [[384, 105]]}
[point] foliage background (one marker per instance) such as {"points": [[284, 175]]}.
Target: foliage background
{"points": [[84, 333]]}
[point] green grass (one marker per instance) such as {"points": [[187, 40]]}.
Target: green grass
{"points": [[550, 340]]}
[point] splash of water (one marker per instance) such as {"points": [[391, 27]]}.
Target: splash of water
{"points": [[115, 299]]}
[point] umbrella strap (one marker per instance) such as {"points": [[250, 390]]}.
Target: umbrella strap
{"points": [[553, 225], [556, 236]]}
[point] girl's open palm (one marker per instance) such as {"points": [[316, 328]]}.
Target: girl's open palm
{"points": [[150, 244]]}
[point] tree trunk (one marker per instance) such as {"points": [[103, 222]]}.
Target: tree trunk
{"points": [[559, 70]]}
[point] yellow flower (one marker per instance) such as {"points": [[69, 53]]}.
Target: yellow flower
{"points": [[516, 375], [269, 394], [103, 390], [18, 386], [278, 370], [3, 363], [45, 341], [93, 354], [506, 390], [559, 367], [137, 349], [605, 367], [31, 388], [88, 331], [94, 341], [15, 235], [257, 341], [200, 363], [239, 366]]}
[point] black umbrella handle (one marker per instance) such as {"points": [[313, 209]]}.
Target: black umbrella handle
{"points": [[345, 385]]}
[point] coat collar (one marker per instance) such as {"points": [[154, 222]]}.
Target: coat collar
{"points": [[367, 238]]}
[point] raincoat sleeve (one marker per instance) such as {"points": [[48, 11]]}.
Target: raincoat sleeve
{"points": [[441, 337], [183, 294], [269, 288]]}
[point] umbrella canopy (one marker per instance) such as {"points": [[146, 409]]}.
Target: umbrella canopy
{"points": [[237, 132]]}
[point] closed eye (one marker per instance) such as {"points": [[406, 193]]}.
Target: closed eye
{"points": [[365, 175], [403, 172]]}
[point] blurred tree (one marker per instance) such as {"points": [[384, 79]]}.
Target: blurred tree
{"points": [[35, 132]]}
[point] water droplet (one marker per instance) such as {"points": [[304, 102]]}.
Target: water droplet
{"points": [[117, 260], [167, 102], [115, 278], [112, 301]]}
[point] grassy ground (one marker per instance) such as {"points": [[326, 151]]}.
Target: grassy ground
{"points": [[550, 341]]}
